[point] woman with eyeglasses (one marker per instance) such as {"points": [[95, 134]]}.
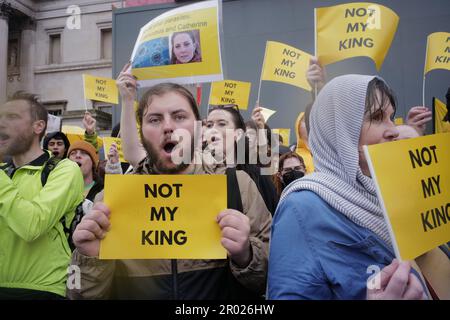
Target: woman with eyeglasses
{"points": [[291, 167], [226, 145]]}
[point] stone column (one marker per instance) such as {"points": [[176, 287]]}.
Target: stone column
{"points": [[3, 56], [27, 60]]}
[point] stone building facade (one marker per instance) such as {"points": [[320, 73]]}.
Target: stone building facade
{"points": [[45, 48]]}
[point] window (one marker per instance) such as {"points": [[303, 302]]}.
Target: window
{"points": [[55, 108], [13, 56], [56, 112], [55, 49], [106, 44]]}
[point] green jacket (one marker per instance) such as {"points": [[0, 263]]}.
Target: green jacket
{"points": [[34, 253], [92, 139]]}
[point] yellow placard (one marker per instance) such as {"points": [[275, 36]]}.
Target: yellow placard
{"points": [[267, 113], [398, 121], [354, 29], [285, 133], [108, 141], [100, 89], [164, 217], [283, 63], [413, 186], [75, 133], [440, 111], [182, 45], [230, 92], [438, 51]]}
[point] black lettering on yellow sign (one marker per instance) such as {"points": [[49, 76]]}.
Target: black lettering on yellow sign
{"points": [[164, 190], [284, 73], [161, 237], [101, 95], [161, 214], [230, 85], [428, 187], [355, 42], [226, 100], [423, 156], [355, 27], [190, 26], [440, 216], [288, 63], [359, 12], [291, 53], [100, 87], [228, 92], [442, 59], [351, 43]]}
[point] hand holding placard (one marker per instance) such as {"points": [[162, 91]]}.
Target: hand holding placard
{"points": [[267, 113], [163, 220]]}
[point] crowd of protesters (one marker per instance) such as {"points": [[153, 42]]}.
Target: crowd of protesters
{"points": [[301, 223]]}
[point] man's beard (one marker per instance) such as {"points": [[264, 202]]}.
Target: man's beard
{"points": [[158, 163], [19, 145]]}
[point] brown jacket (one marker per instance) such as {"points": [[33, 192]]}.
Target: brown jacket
{"points": [[183, 279]]}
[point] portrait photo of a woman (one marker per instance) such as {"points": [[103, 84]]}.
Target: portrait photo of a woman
{"points": [[185, 47]]}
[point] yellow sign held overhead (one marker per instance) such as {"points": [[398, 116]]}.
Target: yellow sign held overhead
{"points": [[108, 141], [283, 63], [162, 218], [354, 29], [438, 51], [100, 89], [230, 92], [181, 45], [414, 191]]}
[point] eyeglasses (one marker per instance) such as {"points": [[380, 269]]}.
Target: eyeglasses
{"points": [[297, 168]]}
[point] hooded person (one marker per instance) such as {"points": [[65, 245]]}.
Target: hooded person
{"points": [[329, 227], [57, 143], [302, 147]]}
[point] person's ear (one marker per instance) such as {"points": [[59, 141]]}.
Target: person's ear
{"points": [[279, 176], [38, 127]]}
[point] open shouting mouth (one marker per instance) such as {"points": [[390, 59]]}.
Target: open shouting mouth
{"points": [[168, 146], [3, 138]]}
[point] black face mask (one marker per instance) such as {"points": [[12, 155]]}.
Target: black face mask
{"points": [[291, 176]]}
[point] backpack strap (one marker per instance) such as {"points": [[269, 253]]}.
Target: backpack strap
{"points": [[48, 167], [234, 200]]}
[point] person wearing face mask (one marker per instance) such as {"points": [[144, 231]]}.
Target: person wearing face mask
{"points": [[291, 167]]}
